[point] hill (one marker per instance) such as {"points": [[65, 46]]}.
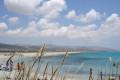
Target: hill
{"points": [[50, 47]]}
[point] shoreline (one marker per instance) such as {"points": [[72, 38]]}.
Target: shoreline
{"points": [[33, 54], [4, 56]]}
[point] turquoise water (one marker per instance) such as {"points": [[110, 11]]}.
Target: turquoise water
{"points": [[99, 61]]}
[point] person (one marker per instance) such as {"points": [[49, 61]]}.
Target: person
{"points": [[114, 65], [1, 68], [7, 63], [23, 67], [1, 65], [119, 77], [90, 77], [11, 65], [18, 65], [101, 75]]}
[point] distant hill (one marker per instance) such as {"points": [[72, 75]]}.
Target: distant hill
{"points": [[9, 46], [50, 47]]}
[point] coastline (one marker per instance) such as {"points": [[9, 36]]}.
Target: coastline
{"points": [[81, 76], [33, 54], [4, 57]]}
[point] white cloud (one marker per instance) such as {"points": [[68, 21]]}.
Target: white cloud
{"points": [[71, 14], [26, 7], [13, 20], [70, 31], [92, 15], [3, 26], [45, 24], [15, 33], [32, 24], [110, 28], [30, 30], [5, 16], [50, 9]]}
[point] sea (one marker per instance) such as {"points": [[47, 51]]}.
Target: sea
{"points": [[98, 61]]}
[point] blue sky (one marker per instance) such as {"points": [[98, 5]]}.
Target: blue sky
{"points": [[61, 22]]}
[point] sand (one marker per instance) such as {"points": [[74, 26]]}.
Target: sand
{"points": [[48, 54]]}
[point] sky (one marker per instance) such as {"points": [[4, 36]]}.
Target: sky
{"points": [[61, 22]]}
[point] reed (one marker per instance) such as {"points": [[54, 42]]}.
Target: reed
{"points": [[77, 70], [37, 72], [64, 77], [117, 67], [36, 59], [45, 69], [110, 67], [54, 72]]}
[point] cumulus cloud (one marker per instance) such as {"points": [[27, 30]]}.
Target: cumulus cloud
{"points": [[26, 7], [31, 30], [46, 24], [14, 32], [109, 28], [27, 32], [50, 9], [71, 15], [70, 31], [92, 15], [13, 20], [3, 26]]}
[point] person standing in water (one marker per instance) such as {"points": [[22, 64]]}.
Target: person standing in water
{"points": [[11, 65], [18, 65], [23, 67], [7, 63], [90, 77]]}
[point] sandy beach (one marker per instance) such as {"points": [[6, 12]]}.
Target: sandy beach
{"points": [[48, 54], [33, 54]]}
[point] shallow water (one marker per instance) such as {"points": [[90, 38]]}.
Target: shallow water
{"points": [[98, 61]]}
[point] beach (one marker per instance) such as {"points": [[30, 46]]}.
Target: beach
{"points": [[4, 57], [98, 61], [33, 54], [48, 54]]}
